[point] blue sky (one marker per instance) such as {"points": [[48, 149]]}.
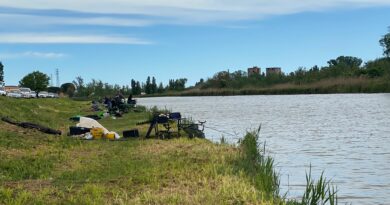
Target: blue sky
{"points": [[117, 40]]}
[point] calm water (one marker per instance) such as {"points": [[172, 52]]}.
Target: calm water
{"points": [[347, 136]]}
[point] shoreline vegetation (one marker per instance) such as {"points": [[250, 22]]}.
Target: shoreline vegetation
{"points": [[327, 86], [345, 74], [43, 169]]}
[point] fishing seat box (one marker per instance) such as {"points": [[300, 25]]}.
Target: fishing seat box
{"points": [[175, 116], [97, 132], [131, 133], [78, 130]]}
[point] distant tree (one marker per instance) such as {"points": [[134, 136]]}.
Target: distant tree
{"points": [[154, 85], [132, 85], [79, 83], [135, 87], [139, 88], [178, 84], [1, 73], [36, 81], [148, 86], [377, 68], [349, 61], [385, 43], [300, 75], [160, 88], [315, 68], [201, 81], [80, 86], [181, 83], [68, 89], [344, 66]]}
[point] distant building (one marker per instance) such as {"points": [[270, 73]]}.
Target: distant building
{"points": [[254, 71], [11, 87], [274, 70]]}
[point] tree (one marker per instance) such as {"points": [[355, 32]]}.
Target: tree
{"points": [[154, 85], [377, 68], [135, 87], [68, 89], [349, 61], [1, 73], [160, 88], [344, 66], [80, 87], [36, 81], [385, 43], [148, 86]]}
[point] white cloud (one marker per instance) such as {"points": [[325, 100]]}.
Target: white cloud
{"points": [[33, 54], [195, 10], [28, 20], [50, 38]]}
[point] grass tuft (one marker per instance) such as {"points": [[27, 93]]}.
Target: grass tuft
{"points": [[320, 192], [258, 166]]}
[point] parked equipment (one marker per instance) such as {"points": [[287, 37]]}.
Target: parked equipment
{"points": [[131, 133], [170, 125], [73, 130], [30, 125]]}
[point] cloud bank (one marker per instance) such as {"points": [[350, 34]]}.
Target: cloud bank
{"points": [[33, 54], [194, 11], [35, 21], [49, 38]]}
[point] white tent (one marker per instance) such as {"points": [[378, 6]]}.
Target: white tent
{"points": [[90, 123]]}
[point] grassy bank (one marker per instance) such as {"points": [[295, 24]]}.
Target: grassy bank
{"points": [[36, 168], [327, 86]]}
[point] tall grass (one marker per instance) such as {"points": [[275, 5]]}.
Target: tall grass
{"points": [[258, 166], [321, 192]]}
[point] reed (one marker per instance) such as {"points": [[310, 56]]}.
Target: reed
{"points": [[321, 192], [260, 167]]}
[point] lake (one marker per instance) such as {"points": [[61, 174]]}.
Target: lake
{"points": [[345, 135]]}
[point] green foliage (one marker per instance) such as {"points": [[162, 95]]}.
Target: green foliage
{"points": [[343, 74], [150, 86], [160, 88], [1, 72], [97, 89], [36, 81], [68, 89], [320, 192], [135, 87], [346, 61], [80, 86], [385, 43], [178, 84], [377, 68], [258, 166]]}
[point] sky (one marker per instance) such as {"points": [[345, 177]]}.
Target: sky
{"points": [[119, 40]]}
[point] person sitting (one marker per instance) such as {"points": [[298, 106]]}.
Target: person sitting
{"points": [[130, 100]]}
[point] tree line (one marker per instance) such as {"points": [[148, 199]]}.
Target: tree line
{"points": [[340, 67]]}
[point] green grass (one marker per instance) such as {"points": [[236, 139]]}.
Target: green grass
{"points": [[36, 168]]}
